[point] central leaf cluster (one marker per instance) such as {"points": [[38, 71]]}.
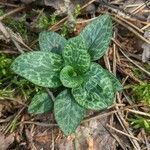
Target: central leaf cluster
{"points": [[77, 62]]}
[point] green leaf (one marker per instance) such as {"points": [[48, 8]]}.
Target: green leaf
{"points": [[40, 103], [70, 78], [41, 68], [97, 36], [68, 113], [97, 91], [75, 54], [115, 82], [51, 41]]}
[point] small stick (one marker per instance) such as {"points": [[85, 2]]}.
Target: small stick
{"points": [[8, 4], [132, 30], [99, 116], [129, 23], [145, 27], [38, 123], [147, 72], [121, 132], [4, 31], [64, 19], [114, 56], [138, 112], [11, 12]]}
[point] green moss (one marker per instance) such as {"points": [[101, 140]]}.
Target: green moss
{"points": [[142, 92], [52, 19], [42, 21], [77, 11], [139, 122], [4, 66]]}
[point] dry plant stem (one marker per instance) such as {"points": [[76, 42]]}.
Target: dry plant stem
{"points": [[125, 127], [53, 141], [118, 140], [71, 20], [13, 99], [145, 71], [11, 12], [114, 56], [15, 118], [121, 132], [132, 30], [146, 140], [50, 94], [107, 62], [136, 20], [138, 112], [121, 48], [99, 116], [124, 124], [17, 46], [54, 27], [130, 24], [145, 27], [10, 36], [4, 31], [142, 6], [38, 123], [8, 4]]}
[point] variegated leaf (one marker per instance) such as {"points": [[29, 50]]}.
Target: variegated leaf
{"points": [[75, 54], [40, 103], [97, 91], [51, 42], [97, 36], [70, 78], [115, 82], [68, 113], [41, 68]]}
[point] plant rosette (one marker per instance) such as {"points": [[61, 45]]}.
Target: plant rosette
{"points": [[70, 63]]}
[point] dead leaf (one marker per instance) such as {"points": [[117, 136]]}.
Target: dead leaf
{"points": [[5, 142]]}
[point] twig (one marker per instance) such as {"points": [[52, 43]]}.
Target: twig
{"points": [[8, 4], [50, 94], [121, 48], [38, 123], [11, 12], [99, 116], [148, 73], [138, 112], [114, 55], [125, 127], [132, 30], [4, 31], [121, 132], [12, 99], [129, 23], [64, 19]]}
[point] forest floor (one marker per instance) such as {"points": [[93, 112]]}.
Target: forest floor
{"points": [[126, 124]]}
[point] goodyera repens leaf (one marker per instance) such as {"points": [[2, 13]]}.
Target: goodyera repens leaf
{"points": [[51, 42], [40, 103], [75, 54], [97, 36], [96, 92], [68, 113], [115, 82], [41, 68]]}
